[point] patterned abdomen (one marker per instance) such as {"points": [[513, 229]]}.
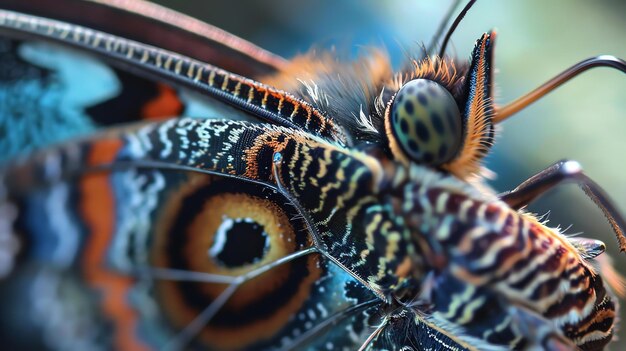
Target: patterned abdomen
{"points": [[493, 263]]}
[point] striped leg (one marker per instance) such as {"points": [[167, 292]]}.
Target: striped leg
{"points": [[567, 170]]}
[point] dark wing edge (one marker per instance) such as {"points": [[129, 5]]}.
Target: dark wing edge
{"points": [[158, 26]]}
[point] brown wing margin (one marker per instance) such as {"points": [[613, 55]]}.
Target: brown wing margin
{"points": [[158, 26]]}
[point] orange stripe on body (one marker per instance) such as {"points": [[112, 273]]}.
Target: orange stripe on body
{"points": [[98, 211]]}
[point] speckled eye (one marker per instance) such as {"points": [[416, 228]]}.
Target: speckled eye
{"points": [[424, 123]]}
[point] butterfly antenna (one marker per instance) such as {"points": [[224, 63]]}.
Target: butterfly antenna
{"points": [[456, 22], [512, 108], [442, 26]]}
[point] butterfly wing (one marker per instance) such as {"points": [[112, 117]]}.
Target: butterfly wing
{"points": [[138, 255], [159, 26], [62, 80], [59, 247]]}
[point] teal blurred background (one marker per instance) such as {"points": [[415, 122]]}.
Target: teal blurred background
{"points": [[584, 120]]}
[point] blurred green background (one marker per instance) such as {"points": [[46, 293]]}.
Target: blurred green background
{"points": [[584, 120]]}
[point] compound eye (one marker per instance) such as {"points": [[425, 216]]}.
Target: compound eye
{"points": [[425, 123]]}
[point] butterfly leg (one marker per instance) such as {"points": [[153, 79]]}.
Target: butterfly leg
{"points": [[559, 172]]}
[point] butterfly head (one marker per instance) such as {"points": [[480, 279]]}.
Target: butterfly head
{"points": [[441, 116]]}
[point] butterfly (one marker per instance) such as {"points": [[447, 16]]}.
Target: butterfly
{"points": [[303, 204]]}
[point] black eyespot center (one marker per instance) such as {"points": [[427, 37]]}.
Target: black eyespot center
{"points": [[243, 242]]}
